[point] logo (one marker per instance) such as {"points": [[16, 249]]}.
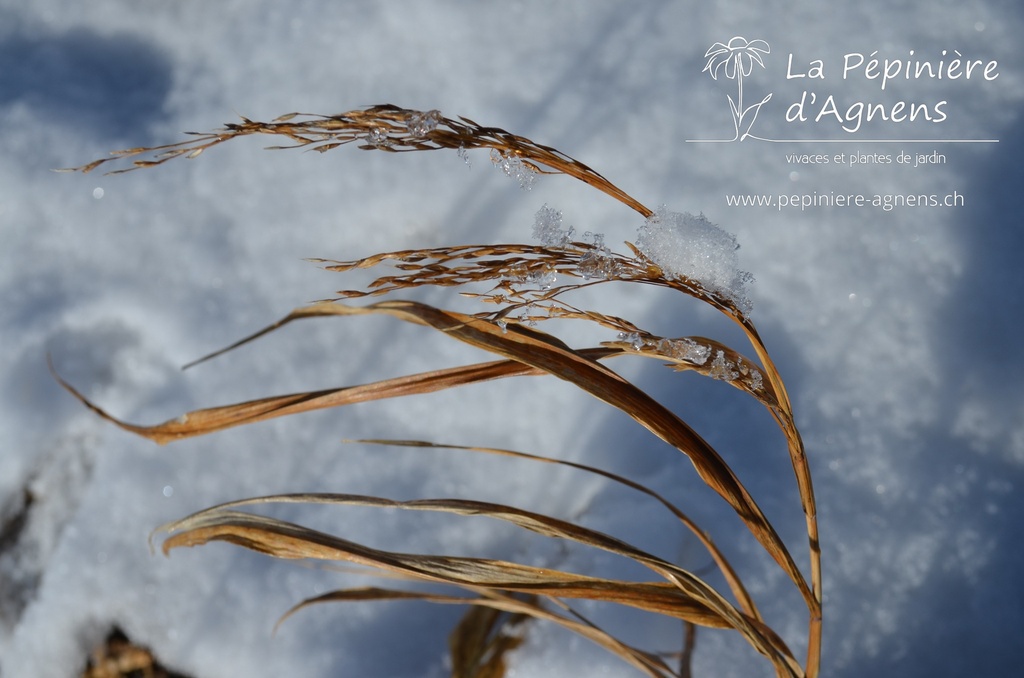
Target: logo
{"points": [[895, 83], [736, 60]]}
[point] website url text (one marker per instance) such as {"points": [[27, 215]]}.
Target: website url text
{"points": [[805, 201]]}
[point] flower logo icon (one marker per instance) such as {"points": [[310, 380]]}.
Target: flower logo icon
{"points": [[736, 59]]}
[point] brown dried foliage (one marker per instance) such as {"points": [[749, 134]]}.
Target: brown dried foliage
{"points": [[501, 594], [119, 657]]}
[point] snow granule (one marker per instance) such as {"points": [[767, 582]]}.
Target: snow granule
{"points": [[598, 262], [545, 278], [691, 247], [423, 123], [633, 339], [689, 350], [547, 227], [513, 166], [722, 368], [378, 136]]}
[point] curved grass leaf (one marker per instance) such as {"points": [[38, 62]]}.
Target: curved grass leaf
{"points": [[493, 600], [733, 580], [685, 596], [387, 128], [523, 346], [526, 352]]}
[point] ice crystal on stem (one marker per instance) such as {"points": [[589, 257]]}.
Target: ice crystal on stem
{"points": [[722, 368], [422, 124], [378, 136], [547, 227], [512, 165], [597, 263]]}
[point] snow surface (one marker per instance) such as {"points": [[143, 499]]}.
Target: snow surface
{"points": [[897, 331]]}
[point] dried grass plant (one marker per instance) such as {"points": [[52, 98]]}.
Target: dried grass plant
{"points": [[503, 595]]}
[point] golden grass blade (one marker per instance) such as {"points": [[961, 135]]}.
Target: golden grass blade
{"points": [[479, 643], [387, 128], [686, 596], [733, 580], [526, 352], [210, 420], [772, 392], [525, 346], [504, 263], [517, 606], [286, 540], [549, 354], [706, 357], [327, 309], [552, 356], [801, 469]]}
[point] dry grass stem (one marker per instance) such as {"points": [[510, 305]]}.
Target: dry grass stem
{"points": [[518, 283], [384, 128]]}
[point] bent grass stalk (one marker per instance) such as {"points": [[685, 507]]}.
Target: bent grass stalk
{"points": [[503, 595]]}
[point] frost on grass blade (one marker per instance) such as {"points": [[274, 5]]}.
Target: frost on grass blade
{"points": [[421, 124], [688, 350], [547, 227], [378, 137], [633, 339], [597, 263], [722, 368], [688, 246], [512, 165]]}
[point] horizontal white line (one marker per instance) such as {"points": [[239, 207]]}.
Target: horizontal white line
{"points": [[850, 141]]}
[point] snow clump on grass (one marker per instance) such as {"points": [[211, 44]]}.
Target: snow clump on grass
{"points": [[547, 227], [691, 247]]}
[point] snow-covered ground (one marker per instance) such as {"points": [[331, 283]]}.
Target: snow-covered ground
{"points": [[895, 329]]}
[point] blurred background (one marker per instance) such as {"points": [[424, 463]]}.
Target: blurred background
{"points": [[896, 330]]}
